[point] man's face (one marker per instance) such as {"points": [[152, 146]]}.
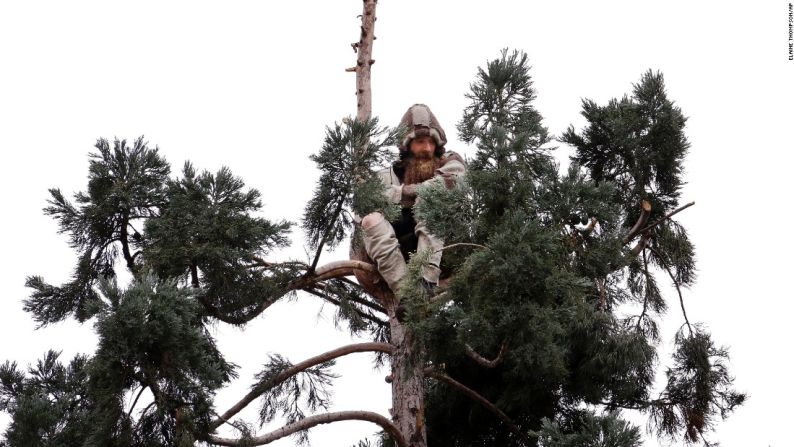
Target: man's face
{"points": [[423, 148]]}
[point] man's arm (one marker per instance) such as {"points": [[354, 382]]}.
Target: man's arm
{"points": [[451, 167]]}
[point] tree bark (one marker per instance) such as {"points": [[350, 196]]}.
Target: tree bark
{"points": [[364, 61], [407, 370], [408, 393]]}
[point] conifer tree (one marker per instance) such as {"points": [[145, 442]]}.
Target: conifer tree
{"points": [[546, 328]]}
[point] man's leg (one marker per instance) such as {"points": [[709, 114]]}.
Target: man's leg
{"points": [[381, 245], [426, 240]]}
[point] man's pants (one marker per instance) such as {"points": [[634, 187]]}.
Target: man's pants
{"points": [[381, 245]]}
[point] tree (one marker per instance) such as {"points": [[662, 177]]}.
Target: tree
{"points": [[526, 344]]}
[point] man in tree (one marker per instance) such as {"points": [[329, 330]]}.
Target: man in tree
{"points": [[423, 159]]}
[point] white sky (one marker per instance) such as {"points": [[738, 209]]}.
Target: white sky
{"points": [[252, 85]]}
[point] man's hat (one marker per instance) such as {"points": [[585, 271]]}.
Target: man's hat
{"points": [[419, 121]]}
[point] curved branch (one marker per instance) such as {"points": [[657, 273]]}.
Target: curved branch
{"points": [[482, 401], [331, 270], [482, 360], [135, 402], [260, 389], [645, 212], [312, 421]]}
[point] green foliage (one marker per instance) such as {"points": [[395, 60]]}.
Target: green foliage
{"points": [[586, 429], [545, 279], [637, 143], [698, 388], [125, 186], [288, 396], [206, 232], [348, 183], [555, 269], [48, 405], [152, 338]]}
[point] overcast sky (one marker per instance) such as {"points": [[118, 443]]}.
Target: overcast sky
{"points": [[251, 85]]}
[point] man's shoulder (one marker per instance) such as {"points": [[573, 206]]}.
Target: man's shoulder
{"points": [[450, 156], [388, 175]]}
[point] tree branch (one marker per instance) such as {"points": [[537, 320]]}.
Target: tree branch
{"points": [[259, 389], [462, 244], [336, 269], [331, 222], [374, 306], [135, 402], [666, 216], [336, 302], [482, 360], [645, 301], [645, 212], [312, 421], [677, 287], [482, 401]]}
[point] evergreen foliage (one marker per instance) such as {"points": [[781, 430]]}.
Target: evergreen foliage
{"points": [[553, 289], [551, 312]]}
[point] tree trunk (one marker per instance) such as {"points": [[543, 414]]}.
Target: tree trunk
{"points": [[407, 370], [407, 374]]}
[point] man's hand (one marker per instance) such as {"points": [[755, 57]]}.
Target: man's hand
{"points": [[409, 192]]}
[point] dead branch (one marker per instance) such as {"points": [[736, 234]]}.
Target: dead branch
{"points": [[260, 389], [482, 360], [645, 212], [312, 421], [482, 401], [364, 61]]}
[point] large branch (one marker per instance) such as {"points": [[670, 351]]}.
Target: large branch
{"points": [[474, 355], [364, 61], [312, 421], [645, 212], [482, 401], [295, 369]]}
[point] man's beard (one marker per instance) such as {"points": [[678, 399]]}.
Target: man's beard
{"points": [[417, 170]]}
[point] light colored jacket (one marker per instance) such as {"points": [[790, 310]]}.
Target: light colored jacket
{"points": [[451, 167]]}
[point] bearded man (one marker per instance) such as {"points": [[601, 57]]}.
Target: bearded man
{"points": [[423, 159]]}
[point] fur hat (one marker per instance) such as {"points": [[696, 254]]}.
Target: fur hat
{"points": [[419, 121]]}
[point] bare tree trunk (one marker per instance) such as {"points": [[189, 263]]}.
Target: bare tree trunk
{"points": [[364, 61], [407, 385]]}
